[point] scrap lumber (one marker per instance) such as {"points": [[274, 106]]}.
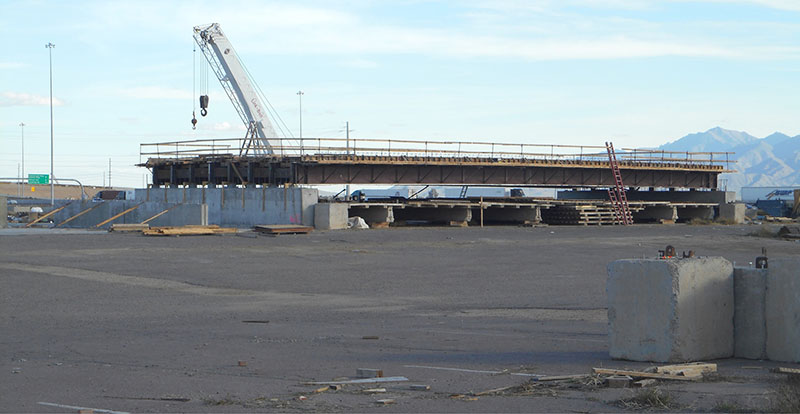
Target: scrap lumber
{"points": [[283, 229], [192, 230], [560, 377], [121, 227], [47, 215], [359, 381], [789, 371], [687, 370], [641, 374]]}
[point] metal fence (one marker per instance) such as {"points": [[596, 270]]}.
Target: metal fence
{"points": [[347, 148]]}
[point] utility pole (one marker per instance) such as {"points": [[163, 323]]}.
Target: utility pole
{"points": [[109, 172], [50, 47], [347, 130], [300, 96], [22, 175]]}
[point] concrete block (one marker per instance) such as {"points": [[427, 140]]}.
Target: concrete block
{"points": [[733, 212], [674, 310], [3, 212], [330, 216], [749, 324], [782, 310]]}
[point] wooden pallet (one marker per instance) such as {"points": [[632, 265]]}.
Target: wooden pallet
{"points": [[577, 214], [191, 230], [283, 229]]}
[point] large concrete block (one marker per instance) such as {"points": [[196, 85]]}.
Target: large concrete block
{"points": [[782, 311], [330, 216], [749, 326], [733, 212], [673, 310], [3, 212]]}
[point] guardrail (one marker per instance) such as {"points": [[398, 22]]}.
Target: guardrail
{"points": [[317, 147]]}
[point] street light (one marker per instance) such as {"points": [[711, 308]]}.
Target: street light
{"points": [[300, 96], [50, 47], [22, 132]]}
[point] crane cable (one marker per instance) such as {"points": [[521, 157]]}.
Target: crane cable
{"points": [[194, 85]]}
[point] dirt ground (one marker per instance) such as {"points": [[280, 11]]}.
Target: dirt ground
{"points": [[238, 323]]}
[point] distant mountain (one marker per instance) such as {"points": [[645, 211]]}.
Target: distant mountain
{"points": [[770, 161]]}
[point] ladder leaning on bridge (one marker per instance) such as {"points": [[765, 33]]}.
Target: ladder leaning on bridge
{"points": [[622, 214]]}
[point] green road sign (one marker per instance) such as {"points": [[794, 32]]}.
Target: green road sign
{"points": [[38, 178]]}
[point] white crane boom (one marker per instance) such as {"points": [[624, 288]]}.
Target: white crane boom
{"points": [[220, 54]]}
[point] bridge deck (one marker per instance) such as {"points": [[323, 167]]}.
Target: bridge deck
{"points": [[211, 162]]}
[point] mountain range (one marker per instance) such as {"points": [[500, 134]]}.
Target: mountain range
{"points": [[770, 161]]}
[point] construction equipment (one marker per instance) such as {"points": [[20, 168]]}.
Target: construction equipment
{"points": [[617, 194], [241, 90]]}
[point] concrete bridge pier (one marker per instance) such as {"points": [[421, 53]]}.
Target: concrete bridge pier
{"points": [[375, 216]]}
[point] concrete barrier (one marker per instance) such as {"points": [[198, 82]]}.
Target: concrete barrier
{"points": [[3, 212], [330, 216], [94, 213], [673, 310], [782, 310], [749, 326], [733, 212]]}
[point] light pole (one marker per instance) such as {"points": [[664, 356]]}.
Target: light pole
{"points": [[50, 47], [22, 133], [300, 96]]}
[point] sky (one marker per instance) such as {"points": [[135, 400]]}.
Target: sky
{"points": [[637, 72]]}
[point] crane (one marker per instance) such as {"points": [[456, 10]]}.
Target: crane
{"points": [[241, 90]]}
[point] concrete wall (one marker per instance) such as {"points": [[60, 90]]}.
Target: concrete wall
{"points": [[670, 310], [749, 326], [330, 216], [782, 310], [178, 215], [719, 197], [243, 207], [3, 212]]}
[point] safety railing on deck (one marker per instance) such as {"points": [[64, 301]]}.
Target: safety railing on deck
{"points": [[346, 148]]}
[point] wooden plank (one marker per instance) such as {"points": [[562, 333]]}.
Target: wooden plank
{"points": [[360, 381], [116, 216], [283, 229], [692, 369], [560, 377], [79, 214], [192, 230], [784, 370], [121, 227], [640, 374], [48, 215]]}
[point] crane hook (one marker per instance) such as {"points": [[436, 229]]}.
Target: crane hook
{"points": [[203, 105], [194, 121]]}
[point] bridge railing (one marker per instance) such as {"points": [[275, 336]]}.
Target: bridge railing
{"points": [[353, 148]]}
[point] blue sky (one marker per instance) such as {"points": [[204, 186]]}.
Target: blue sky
{"points": [[581, 72]]}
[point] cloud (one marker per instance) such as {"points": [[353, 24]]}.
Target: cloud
{"points": [[27, 99]]}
